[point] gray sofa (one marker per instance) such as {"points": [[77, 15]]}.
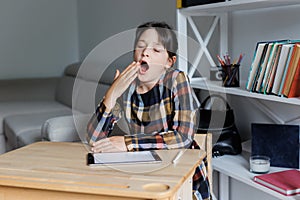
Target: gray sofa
{"points": [[54, 109]]}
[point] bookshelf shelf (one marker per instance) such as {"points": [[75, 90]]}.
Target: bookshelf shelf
{"points": [[216, 86], [235, 5]]}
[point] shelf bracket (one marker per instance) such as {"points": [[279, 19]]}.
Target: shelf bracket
{"points": [[273, 116], [183, 21], [203, 44]]}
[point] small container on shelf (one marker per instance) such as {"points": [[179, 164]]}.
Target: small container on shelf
{"points": [[215, 74], [259, 164], [230, 71], [231, 75]]}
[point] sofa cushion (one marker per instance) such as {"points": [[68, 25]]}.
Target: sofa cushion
{"points": [[81, 92], [64, 90], [87, 95], [103, 71], [83, 85], [72, 69], [120, 63], [17, 125], [28, 107], [65, 128]]}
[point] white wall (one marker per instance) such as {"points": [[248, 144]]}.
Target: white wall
{"points": [[38, 38], [99, 20]]}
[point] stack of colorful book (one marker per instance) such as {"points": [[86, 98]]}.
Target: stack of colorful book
{"points": [[275, 68]]}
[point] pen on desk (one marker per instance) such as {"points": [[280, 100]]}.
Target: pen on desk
{"points": [[179, 154]]}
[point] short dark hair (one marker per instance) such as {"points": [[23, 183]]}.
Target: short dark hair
{"points": [[166, 35]]}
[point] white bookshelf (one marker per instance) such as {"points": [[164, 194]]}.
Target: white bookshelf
{"points": [[220, 12], [216, 86], [235, 167]]}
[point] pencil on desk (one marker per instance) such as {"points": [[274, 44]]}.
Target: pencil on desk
{"points": [[178, 155]]}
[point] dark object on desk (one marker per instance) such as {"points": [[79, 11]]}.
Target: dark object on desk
{"points": [[188, 3], [221, 122], [278, 141]]}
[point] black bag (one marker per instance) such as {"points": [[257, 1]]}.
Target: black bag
{"points": [[220, 122]]}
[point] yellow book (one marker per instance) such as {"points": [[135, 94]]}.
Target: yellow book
{"points": [[179, 4]]}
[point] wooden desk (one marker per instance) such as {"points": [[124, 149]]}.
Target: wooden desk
{"points": [[52, 170]]}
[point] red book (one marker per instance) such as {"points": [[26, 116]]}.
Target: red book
{"points": [[285, 182], [295, 87]]}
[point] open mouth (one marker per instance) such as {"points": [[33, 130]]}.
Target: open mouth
{"points": [[144, 66]]}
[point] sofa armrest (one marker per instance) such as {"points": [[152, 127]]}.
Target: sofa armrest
{"points": [[65, 128]]}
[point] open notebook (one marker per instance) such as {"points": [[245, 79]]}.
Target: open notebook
{"points": [[123, 158]]}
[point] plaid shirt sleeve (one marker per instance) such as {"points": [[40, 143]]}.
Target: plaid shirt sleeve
{"points": [[101, 123], [184, 119]]}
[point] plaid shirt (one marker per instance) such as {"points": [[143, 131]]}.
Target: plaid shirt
{"points": [[163, 118]]}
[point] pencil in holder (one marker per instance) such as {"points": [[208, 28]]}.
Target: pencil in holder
{"points": [[231, 75]]}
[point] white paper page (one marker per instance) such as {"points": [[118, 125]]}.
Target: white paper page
{"points": [[126, 157]]}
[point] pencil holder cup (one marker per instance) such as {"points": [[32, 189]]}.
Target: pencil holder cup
{"points": [[231, 75]]}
